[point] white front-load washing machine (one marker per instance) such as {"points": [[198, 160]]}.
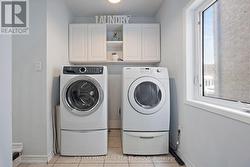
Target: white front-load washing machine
{"points": [[145, 111], [83, 110]]}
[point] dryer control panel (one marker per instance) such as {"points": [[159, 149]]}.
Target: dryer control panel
{"points": [[136, 72], [82, 70]]}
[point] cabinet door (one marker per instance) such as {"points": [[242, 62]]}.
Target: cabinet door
{"points": [[132, 42], [151, 42], [96, 42], [78, 43]]}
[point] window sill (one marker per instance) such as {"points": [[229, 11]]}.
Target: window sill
{"points": [[232, 113]]}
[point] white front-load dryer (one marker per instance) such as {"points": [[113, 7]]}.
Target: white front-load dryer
{"points": [[145, 110], [83, 110]]}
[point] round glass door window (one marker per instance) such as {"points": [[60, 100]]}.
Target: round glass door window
{"points": [[82, 95], [147, 95]]}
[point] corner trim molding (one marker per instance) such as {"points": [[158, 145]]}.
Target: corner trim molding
{"points": [[50, 156], [37, 158]]}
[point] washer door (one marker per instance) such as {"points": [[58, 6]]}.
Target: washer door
{"points": [[146, 95], [82, 95]]}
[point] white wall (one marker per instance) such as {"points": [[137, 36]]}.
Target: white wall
{"points": [[35, 93], [58, 18], [207, 139], [5, 101], [171, 57], [29, 85]]}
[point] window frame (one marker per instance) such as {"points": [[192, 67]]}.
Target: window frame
{"points": [[194, 67]]}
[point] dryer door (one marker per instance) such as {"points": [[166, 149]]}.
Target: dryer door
{"points": [[146, 95], [82, 95]]}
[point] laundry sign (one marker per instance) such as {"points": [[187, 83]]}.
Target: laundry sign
{"points": [[112, 19]]}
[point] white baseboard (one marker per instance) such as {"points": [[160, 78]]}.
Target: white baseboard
{"points": [[115, 124], [37, 158], [187, 162]]}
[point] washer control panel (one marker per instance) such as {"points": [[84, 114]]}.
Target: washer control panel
{"points": [[84, 70]]}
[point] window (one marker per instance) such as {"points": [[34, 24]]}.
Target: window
{"points": [[224, 51], [217, 47]]}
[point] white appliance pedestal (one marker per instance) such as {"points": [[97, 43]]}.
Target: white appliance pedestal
{"points": [[84, 143], [145, 143]]}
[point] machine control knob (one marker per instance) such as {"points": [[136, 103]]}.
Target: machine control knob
{"points": [[158, 70], [82, 70]]}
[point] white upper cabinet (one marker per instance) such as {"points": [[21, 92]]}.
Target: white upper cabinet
{"points": [[97, 42], [78, 43], [132, 42], [141, 42], [87, 43], [151, 42]]}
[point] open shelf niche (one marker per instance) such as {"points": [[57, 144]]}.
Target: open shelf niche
{"points": [[114, 42]]}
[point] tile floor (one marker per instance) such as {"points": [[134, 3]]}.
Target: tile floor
{"points": [[115, 158]]}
